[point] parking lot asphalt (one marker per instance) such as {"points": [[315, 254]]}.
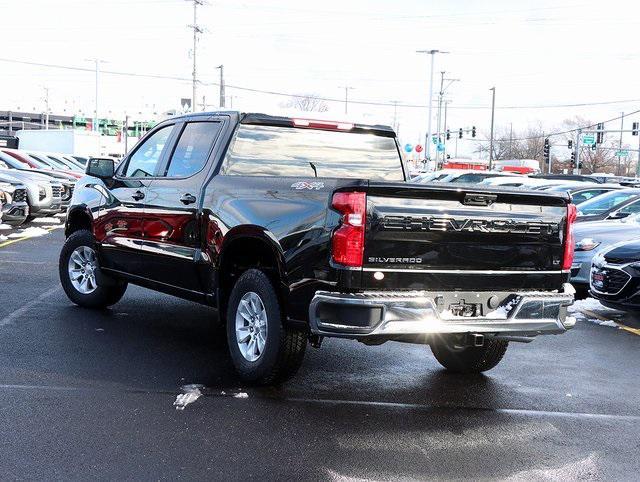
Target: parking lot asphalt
{"points": [[90, 394]]}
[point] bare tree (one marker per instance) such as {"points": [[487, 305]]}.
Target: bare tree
{"points": [[307, 103], [591, 160], [528, 144]]}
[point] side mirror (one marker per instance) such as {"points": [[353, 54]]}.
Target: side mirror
{"points": [[100, 167], [618, 215]]}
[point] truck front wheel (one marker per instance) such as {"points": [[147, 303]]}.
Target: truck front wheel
{"points": [[456, 357], [263, 349], [80, 274]]}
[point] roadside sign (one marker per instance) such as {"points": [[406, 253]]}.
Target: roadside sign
{"points": [[418, 148], [622, 153], [408, 147], [440, 147], [588, 139]]}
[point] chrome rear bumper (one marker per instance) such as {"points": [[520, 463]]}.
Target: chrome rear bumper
{"points": [[393, 314]]}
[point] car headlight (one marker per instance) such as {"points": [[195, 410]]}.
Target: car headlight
{"points": [[42, 191], [598, 260], [587, 244]]}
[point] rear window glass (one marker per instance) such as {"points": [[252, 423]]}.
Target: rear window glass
{"points": [[287, 151]]}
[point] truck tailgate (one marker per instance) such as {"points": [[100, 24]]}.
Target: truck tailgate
{"points": [[457, 230]]}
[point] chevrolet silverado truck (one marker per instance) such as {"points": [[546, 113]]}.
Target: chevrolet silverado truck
{"points": [[295, 230]]}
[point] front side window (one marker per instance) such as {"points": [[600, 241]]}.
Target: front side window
{"points": [[145, 159], [193, 148], [260, 150]]}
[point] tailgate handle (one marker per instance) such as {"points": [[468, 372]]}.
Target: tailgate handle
{"points": [[479, 199]]}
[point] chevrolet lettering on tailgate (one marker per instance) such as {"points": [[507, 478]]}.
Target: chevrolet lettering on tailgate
{"points": [[409, 223]]}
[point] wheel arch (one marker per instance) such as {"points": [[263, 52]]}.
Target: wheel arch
{"points": [[246, 247], [78, 217]]}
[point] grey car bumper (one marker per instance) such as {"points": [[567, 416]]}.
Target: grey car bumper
{"points": [[399, 314]]}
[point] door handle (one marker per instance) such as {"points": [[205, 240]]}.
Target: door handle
{"points": [[138, 195], [187, 199]]}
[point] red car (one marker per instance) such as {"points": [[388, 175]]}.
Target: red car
{"points": [[37, 163]]}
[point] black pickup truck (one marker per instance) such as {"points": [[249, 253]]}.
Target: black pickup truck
{"points": [[298, 229]]}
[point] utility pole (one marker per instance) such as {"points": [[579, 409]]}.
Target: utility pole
{"points": [[429, 105], [346, 97], [577, 151], [444, 126], [511, 139], [46, 108], [395, 116], [620, 143], [196, 31], [96, 116], [125, 134], [493, 110], [222, 95]]}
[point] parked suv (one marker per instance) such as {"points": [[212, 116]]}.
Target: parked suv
{"points": [[15, 209], [615, 276], [297, 229]]}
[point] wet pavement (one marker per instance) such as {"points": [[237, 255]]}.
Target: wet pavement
{"points": [[146, 390]]}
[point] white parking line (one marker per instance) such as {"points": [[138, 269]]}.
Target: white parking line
{"points": [[24, 308]]}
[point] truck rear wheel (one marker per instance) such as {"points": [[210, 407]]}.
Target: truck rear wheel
{"points": [[468, 359], [263, 349], [80, 274]]}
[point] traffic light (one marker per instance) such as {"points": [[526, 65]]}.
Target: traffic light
{"points": [[448, 134], [460, 133], [573, 159], [473, 131], [634, 130], [546, 150], [599, 133], [570, 144], [594, 147]]}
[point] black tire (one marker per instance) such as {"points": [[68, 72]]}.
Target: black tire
{"points": [[284, 347], [469, 359], [108, 292]]}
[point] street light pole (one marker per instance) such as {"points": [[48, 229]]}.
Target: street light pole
{"points": [[346, 97], [493, 110], [430, 106], [222, 94], [95, 114]]}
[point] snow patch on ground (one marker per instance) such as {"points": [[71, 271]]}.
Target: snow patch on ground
{"points": [[3, 238], [241, 395], [190, 394], [46, 221], [582, 310], [31, 232], [590, 304], [4, 227]]}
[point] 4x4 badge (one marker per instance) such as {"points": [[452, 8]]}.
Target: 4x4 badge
{"points": [[308, 185]]}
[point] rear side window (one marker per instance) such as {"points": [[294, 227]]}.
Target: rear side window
{"points": [[144, 160], [287, 151], [193, 148]]}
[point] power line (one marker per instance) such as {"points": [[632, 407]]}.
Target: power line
{"points": [[569, 131], [326, 99]]}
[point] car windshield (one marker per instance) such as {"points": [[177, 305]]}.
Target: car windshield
{"points": [[605, 202], [260, 150], [41, 162]]}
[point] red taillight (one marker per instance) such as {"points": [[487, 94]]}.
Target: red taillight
{"points": [[347, 243], [569, 241]]}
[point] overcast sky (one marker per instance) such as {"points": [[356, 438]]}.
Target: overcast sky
{"points": [[541, 53]]}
